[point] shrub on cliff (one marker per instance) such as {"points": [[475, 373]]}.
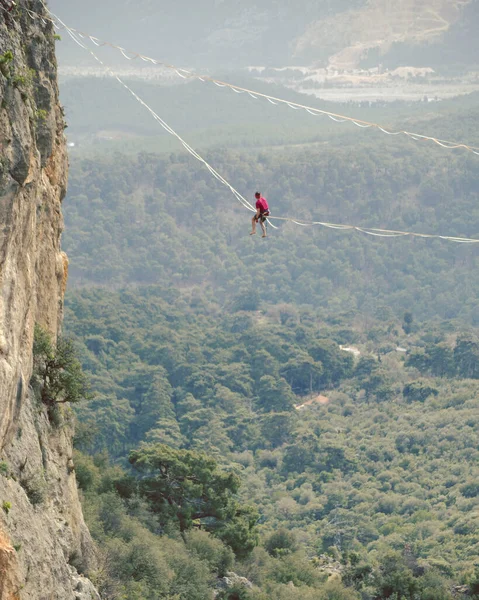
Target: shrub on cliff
{"points": [[57, 376]]}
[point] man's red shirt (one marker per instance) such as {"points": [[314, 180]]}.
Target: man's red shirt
{"points": [[262, 204]]}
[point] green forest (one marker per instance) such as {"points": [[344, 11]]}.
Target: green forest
{"points": [[387, 466], [161, 219], [289, 418]]}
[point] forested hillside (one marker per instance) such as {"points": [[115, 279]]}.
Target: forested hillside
{"points": [[375, 480], [178, 228], [454, 51], [321, 385]]}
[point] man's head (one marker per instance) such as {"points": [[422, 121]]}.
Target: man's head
{"points": [[257, 195]]}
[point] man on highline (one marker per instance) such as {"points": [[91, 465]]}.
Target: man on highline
{"points": [[262, 212]]}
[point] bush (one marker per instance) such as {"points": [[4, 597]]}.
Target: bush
{"points": [[470, 490], [280, 543], [5, 60], [35, 488], [417, 391], [235, 592], [267, 459], [58, 376], [220, 558], [247, 300], [87, 473]]}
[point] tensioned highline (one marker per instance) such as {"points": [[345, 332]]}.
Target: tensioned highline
{"points": [[246, 204], [188, 74]]}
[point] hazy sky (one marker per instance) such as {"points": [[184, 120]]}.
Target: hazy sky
{"points": [[194, 31], [238, 33]]}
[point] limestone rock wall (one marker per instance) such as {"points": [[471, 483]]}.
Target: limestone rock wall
{"points": [[43, 539]]}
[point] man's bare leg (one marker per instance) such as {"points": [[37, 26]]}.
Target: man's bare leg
{"points": [[263, 227], [253, 226]]}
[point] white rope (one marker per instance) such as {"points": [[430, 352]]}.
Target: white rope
{"points": [[388, 235], [122, 50], [376, 232], [389, 132], [383, 233], [301, 224], [165, 126], [446, 144]]}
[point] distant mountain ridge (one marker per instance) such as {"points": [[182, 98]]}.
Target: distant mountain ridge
{"points": [[337, 33], [378, 26]]}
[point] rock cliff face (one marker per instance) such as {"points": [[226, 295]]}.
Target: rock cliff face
{"points": [[43, 538]]}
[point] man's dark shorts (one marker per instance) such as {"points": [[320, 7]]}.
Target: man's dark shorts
{"points": [[262, 216]]}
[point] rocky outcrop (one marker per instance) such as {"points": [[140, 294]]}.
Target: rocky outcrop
{"points": [[9, 586], [231, 581], [43, 541]]}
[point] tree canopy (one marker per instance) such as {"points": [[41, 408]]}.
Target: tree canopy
{"points": [[185, 485]]}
